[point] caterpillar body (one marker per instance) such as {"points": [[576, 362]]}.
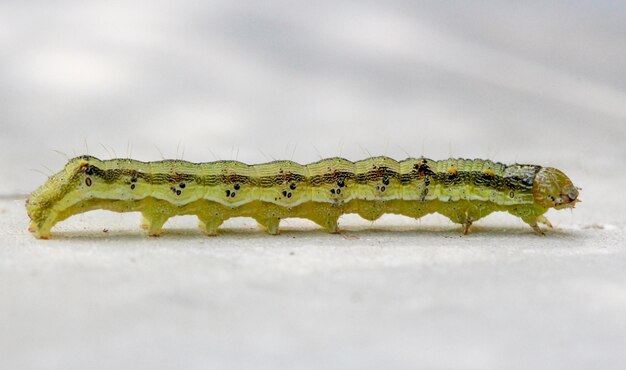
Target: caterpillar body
{"points": [[461, 189]]}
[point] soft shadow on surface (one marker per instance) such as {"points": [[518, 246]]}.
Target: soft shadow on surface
{"points": [[355, 233]]}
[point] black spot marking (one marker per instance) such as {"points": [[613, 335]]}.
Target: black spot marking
{"points": [[227, 192], [385, 181], [132, 186], [88, 181], [237, 186], [332, 191], [338, 191], [512, 194], [292, 186], [178, 192], [341, 183], [288, 195], [89, 170], [134, 179], [182, 185], [284, 193], [232, 195], [423, 169], [382, 188]]}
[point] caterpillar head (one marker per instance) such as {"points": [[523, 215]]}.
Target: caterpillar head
{"points": [[553, 189]]}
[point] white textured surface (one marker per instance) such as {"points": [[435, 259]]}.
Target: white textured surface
{"points": [[531, 82], [395, 294]]}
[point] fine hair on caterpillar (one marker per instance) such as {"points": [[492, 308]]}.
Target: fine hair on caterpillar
{"points": [[464, 190]]}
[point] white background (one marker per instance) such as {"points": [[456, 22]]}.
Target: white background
{"points": [[534, 82], [542, 83]]}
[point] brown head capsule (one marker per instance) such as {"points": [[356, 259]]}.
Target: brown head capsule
{"points": [[553, 189]]}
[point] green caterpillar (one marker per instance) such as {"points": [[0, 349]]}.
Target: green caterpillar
{"points": [[461, 189]]}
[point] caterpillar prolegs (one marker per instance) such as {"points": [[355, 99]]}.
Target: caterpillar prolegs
{"points": [[461, 189]]}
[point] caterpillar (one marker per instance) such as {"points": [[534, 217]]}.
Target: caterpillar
{"points": [[463, 190]]}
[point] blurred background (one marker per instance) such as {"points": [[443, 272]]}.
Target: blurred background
{"points": [[515, 81], [541, 82]]}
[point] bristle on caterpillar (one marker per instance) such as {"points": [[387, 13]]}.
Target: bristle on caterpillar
{"points": [[461, 189]]}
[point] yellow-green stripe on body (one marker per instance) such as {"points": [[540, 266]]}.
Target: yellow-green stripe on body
{"points": [[463, 190]]}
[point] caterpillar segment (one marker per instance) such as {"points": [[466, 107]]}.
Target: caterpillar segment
{"points": [[463, 190]]}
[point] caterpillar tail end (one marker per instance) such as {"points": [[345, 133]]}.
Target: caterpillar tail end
{"points": [[39, 232]]}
